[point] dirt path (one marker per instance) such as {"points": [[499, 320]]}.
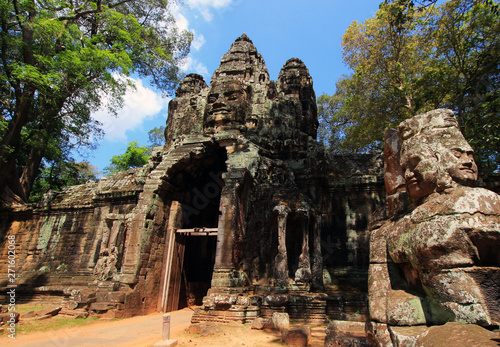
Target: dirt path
{"points": [[136, 331], [145, 331]]}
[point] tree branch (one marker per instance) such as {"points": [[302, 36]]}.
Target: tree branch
{"points": [[78, 15]]}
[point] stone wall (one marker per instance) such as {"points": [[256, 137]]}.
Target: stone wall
{"points": [[63, 243], [241, 212]]}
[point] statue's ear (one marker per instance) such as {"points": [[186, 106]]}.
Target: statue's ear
{"points": [[249, 92], [444, 179], [439, 157]]}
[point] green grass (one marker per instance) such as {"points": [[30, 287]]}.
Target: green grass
{"points": [[50, 324], [28, 308]]}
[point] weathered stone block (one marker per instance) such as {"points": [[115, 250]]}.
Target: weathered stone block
{"points": [[118, 297], [29, 314], [203, 329], [379, 286], [281, 321], [297, 336], [458, 334], [262, 323], [406, 336], [6, 318], [49, 311], [337, 327], [346, 341], [104, 306], [405, 309], [378, 334]]}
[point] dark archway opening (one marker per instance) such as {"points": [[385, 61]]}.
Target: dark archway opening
{"points": [[199, 259], [294, 237], [198, 187]]}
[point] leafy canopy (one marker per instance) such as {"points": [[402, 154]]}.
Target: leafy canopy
{"points": [[59, 60], [157, 136], [62, 174], [134, 156], [409, 59]]}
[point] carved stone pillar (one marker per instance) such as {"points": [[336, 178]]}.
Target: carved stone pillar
{"points": [[303, 273], [225, 274], [281, 259], [317, 258]]}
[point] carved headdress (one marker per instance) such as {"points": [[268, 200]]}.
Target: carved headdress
{"points": [[436, 138]]}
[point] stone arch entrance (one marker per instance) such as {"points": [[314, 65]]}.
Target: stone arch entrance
{"points": [[192, 228]]}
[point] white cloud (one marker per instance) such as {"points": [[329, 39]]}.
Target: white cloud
{"points": [[192, 65], [181, 21], [207, 15], [139, 104], [198, 42], [204, 7]]}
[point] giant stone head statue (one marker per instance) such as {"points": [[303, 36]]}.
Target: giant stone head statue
{"points": [[227, 105], [435, 154]]}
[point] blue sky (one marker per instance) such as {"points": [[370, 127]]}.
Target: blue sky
{"points": [[280, 29]]}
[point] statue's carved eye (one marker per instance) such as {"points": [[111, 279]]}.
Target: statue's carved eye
{"points": [[232, 96], [212, 98], [413, 161], [457, 153]]}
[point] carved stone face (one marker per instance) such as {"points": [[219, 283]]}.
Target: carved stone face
{"points": [[420, 172], [459, 160], [227, 104]]}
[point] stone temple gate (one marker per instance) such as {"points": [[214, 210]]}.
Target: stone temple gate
{"points": [[240, 213]]}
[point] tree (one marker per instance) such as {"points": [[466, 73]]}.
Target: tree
{"points": [[134, 156], [333, 121], [385, 53], [467, 36], [409, 59], [157, 136], [59, 59], [61, 174]]}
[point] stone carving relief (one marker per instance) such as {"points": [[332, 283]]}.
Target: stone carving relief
{"points": [[227, 105], [436, 261], [105, 267], [111, 247]]}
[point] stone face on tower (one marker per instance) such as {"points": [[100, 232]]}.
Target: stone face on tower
{"points": [[184, 115], [295, 82], [240, 213], [281, 116]]}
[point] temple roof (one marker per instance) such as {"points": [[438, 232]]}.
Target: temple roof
{"points": [[242, 61]]}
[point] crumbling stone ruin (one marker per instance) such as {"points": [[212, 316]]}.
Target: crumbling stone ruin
{"points": [[436, 259], [242, 214]]}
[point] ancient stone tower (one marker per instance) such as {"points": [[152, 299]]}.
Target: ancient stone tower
{"points": [[240, 212]]}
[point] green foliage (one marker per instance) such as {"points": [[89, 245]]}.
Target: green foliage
{"points": [[59, 59], [333, 122], [157, 136], [61, 174], [134, 156], [409, 59], [467, 36]]}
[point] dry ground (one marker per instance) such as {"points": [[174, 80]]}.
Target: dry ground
{"points": [[233, 335], [139, 331]]}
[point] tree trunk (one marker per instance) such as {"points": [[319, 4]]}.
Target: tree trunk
{"points": [[11, 184], [24, 97], [9, 144], [30, 171]]}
